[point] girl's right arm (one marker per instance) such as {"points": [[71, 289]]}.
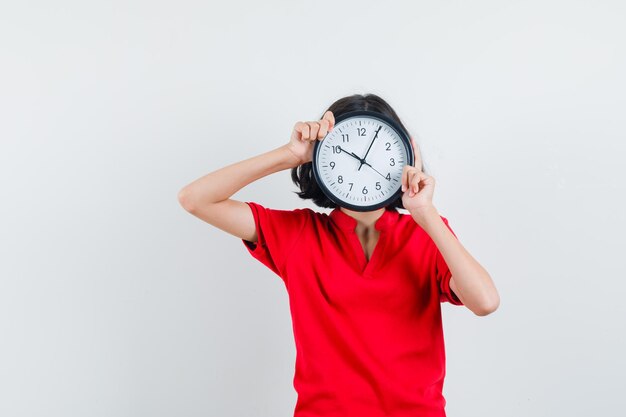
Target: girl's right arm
{"points": [[208, 197]]}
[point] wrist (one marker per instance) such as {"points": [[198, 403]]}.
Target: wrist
{"points": [[425, 215], [290, 157]]}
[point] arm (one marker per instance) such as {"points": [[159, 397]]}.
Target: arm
{"points": [[470, 281], [208, 197]]}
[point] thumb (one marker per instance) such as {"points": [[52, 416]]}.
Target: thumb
{"points": [[417, 157]]}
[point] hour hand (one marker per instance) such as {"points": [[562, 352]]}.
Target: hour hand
{"points": [[362, 161], [352, 154], [356, 156]]}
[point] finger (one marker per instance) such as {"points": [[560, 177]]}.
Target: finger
{"points": [[324, 123], [418, 160], [406, 177], [427, 180], [413, 180], [298, 128], [331, 118], [305, 131], [417, 155], [419, 176], [315, 127]]}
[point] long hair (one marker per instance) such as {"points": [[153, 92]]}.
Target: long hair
{"points": [[303, 176]]}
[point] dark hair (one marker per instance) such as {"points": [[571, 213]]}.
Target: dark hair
{"points": [[303, 176]]}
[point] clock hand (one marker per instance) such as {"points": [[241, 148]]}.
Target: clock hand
{"points": [[360, 160], [356, 156], [370, 147], [349, 153], [375, 170]]}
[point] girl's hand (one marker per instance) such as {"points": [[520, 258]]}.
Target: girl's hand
{"points": [[418, 188], [305, 134]]}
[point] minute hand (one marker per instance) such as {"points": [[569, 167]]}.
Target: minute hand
{"points": [[370, 147]]}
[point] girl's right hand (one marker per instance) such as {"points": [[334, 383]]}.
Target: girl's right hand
{"points": [[305, 134]]}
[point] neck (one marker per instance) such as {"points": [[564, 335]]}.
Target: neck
{"points": [[365, 219]]}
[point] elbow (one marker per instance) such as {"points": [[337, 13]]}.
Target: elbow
{"points": [[488, 306], [185, 200]]}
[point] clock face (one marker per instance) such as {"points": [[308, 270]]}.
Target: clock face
{"points": [[359, 164]]}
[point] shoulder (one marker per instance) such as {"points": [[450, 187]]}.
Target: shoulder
{"points": [[278, 217], [297, 212], [409, 228], [405, 217], [313, 219]]}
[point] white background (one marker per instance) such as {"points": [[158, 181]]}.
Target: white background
{"points": [[114, 301]]}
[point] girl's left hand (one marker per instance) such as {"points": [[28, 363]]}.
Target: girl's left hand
{"points": [[417, 187]]}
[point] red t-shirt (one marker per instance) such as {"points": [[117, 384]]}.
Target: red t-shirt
{"points": [[368, 334]]}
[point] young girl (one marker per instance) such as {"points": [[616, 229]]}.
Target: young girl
{"points": [[364, 287]]}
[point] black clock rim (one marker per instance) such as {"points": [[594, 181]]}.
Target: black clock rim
{"points": [[402, 133]]}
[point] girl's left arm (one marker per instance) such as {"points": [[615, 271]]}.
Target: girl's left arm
{"points": [[470, 281]]}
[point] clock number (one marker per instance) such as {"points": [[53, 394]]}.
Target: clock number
{"points": [[392, 162], [337, 149], [378, 187], [388, 148], [332, 165], [361, 131], [340, 179], [345, 138], [388, 176], [351, 184], [364, 190]]}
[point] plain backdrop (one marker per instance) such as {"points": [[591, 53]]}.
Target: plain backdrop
{"points": [[114, 301]]}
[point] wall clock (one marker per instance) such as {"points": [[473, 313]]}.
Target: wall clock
{"points": [[359, 164]]}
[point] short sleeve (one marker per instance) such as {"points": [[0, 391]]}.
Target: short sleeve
{"points": [[277, 232], [443, 275]]}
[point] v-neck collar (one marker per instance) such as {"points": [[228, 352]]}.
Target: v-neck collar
{"points": [[347, 222], [366, 268]]}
